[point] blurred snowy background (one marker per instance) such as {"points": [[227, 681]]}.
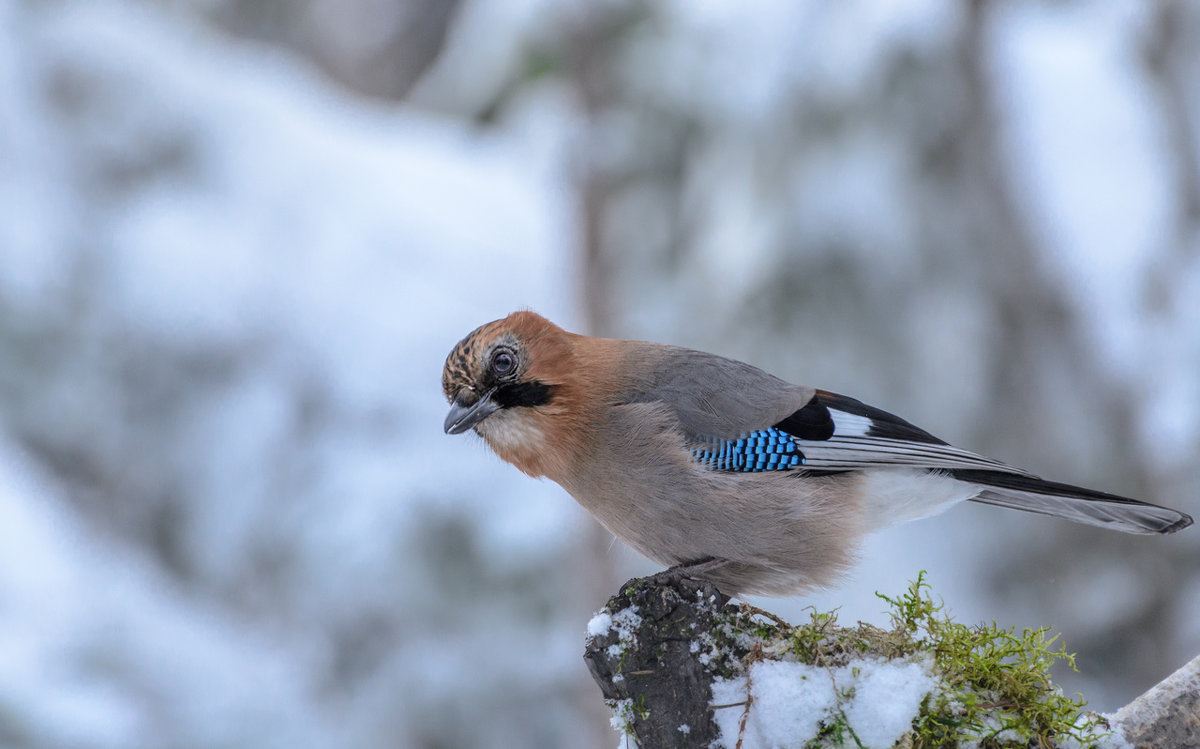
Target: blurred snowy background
{"points": [[238, 238]]}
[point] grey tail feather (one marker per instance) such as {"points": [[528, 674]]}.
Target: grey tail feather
{"points": [[1031, 494]]}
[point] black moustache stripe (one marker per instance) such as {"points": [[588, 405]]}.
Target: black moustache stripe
{"points": [[532, 393]]}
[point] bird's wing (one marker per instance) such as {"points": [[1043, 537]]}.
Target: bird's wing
{"points": [[713, 397], [739, 418], [733, 408], [837, 433], [737, 415]]}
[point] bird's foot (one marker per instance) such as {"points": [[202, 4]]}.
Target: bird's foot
{"points": [[698, 569], [754, 610]]}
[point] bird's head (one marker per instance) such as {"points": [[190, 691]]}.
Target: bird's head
{"points": [[506, 380]]}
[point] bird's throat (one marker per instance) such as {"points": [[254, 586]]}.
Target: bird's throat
{"points": [[517, 436]]}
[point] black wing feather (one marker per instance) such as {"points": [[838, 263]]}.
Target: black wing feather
{"points": [[883, 424]]}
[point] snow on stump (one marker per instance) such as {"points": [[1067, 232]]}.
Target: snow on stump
{"points": [[679, 668]]}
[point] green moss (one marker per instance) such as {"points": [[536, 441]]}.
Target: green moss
{"points": [[999, 691], [623, 714], [835, 733], [996, 690], [639, 708]]}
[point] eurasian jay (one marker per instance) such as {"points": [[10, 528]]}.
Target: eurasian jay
{"points": [[723, 471]]}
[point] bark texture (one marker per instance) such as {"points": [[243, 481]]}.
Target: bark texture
{"points": [[1167, 715], [648, 661]]}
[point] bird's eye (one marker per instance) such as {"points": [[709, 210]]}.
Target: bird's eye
{"points": [[503, 363]]}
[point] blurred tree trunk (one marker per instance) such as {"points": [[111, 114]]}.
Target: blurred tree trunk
{"points": [[1049, 383], [376, 49], [589, 62]]}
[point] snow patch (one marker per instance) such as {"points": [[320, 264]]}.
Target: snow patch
{"points": [[877, 701], [599, 624]]}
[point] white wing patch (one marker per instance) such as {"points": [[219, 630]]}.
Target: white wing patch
{"points": [[849, 425]]}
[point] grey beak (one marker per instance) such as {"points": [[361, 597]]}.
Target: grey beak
{"points": [[463, 416]]}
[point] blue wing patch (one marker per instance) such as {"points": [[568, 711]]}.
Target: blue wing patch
{"points": [[763, 450]]}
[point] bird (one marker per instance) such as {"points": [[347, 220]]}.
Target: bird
{"points": [[718, 470]]}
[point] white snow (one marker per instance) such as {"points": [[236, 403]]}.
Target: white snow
{"points": [[599, 624], [626, 621], [886, 699], [623, 623], [622, 716], [877, 700]]}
